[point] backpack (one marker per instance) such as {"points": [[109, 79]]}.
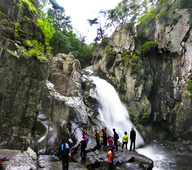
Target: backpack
{"points": [[64, 149], [117, 136]]}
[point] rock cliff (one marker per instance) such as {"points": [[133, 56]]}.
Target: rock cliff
{"points": [[22, 76], [152, 73], [42, 100]]}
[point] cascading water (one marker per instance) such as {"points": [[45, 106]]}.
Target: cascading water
{"points": [[112, 112]]}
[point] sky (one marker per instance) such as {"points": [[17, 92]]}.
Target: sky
{"points": [[81, 10]]}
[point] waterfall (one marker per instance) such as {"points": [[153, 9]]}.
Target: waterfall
{"points": [[112, 111]]}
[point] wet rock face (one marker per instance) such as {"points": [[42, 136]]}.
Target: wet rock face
{"points": [[170, 37], [68, 106], [22, 78], [22, 82], [66, 74], [155, 85], [40, 102]]}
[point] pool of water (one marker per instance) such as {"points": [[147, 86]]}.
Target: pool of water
{"points": [[167, 158]]}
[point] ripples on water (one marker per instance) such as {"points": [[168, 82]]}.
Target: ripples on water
{"points": [[166, 158]]}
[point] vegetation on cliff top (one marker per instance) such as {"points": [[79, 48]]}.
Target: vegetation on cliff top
{"points": [[30, 4], [59, 34], [57, 30]]}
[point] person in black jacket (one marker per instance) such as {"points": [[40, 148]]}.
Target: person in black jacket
{"points": [[132, 138], [115, 137], [104, 136], [83, 147]]}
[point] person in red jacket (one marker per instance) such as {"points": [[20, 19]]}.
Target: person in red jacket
{"points": [[110, 156]]}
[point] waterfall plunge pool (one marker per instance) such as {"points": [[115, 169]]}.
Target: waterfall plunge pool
{"points": [[167, 157]]}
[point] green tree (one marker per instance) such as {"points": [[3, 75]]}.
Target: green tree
{"points": [[60, 35], [126, 11], [100, 29]]}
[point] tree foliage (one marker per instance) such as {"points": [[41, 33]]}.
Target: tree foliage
{"points": [[47, 29], [30, 4], [126, 11], [100, 28], [59, 33]]}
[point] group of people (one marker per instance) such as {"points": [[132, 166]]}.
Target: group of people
{"points": [[108, 145], [115, 138], [113, 144], [132, 139]]}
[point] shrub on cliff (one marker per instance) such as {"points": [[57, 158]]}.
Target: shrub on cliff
{"points": [[147, 45]]}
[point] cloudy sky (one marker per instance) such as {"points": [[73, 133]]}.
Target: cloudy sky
{"points": [[81, 10]]}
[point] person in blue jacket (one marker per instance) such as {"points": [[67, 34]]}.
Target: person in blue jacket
{"points": [[65, 152]]}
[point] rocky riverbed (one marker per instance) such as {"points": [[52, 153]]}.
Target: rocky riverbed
{"points": [[29, 160]]}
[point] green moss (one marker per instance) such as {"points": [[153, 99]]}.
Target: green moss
{"points": [[4, 21], [16, 24], [160, 90], [12, 52], [24, 52], [144, 115], [190, 88], [108, 51], [124, 98], [130, 113], [135, 119], [110, 45], [125, 57], [134, 57], [34, 49], [104, 42]]}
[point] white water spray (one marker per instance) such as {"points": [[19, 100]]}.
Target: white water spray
{"points": [[112, 112]]}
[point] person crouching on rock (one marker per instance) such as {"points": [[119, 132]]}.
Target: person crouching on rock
{"points": [[110, 145], [65, 152], [110, 156]]}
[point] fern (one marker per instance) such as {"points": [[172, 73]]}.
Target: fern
{"points": [[30, 6]]}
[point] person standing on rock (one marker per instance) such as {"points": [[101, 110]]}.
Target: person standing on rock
{"points": [[132, 138], [83, 147], [105, 129], [110, 156], [125, 141], [104, 136], [65, 152], [98, 138], [115, 137]]}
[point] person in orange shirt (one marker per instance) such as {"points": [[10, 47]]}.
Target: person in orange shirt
{"points": [[110, 156]]}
